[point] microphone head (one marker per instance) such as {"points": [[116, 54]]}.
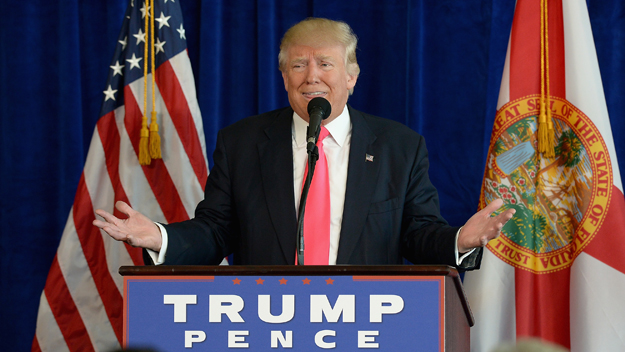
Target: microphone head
{"points": [[320, 103]]}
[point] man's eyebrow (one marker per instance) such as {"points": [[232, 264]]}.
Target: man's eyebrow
{"points": [[299, 60], [324, 58]]}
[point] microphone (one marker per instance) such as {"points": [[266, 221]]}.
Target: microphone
{"points": [[318, 109]]}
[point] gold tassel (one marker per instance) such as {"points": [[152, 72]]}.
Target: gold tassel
{"points": [[546, 133], [150, 143], [144, 152], [543, 130], [155, 138], [144, 155], [550, 152]]}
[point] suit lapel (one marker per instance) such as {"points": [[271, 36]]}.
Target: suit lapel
{"points": [[362, 178], [276, 163]]}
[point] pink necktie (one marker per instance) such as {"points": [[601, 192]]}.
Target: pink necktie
{"points": [[317, 215]]}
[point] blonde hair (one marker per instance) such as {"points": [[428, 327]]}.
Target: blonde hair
{"points": [[319, 32]]}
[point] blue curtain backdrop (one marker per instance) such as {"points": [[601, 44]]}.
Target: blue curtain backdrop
{"points": [[432, 65]]}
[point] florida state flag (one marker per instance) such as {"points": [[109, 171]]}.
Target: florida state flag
{"points": [[557, 272]]}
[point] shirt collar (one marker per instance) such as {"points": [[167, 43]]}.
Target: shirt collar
{"points": [[339, 128]]}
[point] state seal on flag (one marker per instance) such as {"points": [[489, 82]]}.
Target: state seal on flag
{"points": [[560, 202]]}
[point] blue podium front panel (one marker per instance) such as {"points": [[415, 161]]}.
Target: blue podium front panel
{"points": [[256, 313]]}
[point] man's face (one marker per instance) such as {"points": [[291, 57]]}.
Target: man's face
{"points": [[312, 72]]}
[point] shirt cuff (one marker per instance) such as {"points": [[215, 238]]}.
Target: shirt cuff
{"points": [[159, 257], [458, 260]]}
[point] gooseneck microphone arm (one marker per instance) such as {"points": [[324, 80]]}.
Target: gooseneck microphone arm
{"points": [[312, 161], [318, 110]]}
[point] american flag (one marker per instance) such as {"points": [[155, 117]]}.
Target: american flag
{"points": [[81, 305]]}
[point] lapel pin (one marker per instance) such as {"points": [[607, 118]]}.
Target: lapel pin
{"points": [[368, 157]]}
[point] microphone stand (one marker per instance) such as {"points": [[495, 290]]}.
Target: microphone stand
{"points": [[313, 156]]}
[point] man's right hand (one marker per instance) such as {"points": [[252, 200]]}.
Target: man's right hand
{"points": [[137, 230]]}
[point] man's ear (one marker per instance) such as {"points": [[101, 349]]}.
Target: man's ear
{"points": [[351, 81], [286, 81]]}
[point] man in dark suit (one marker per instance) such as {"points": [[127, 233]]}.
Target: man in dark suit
{"points": [[383, 205]]}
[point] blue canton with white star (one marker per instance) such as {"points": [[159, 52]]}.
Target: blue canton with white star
{"points": [[128, 62]]}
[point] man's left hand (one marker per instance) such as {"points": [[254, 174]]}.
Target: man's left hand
{"points": [[482, 228]]}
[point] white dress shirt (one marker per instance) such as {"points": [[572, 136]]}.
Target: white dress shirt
{"points": [[336, 147]]}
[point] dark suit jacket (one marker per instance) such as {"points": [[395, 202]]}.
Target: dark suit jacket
{"points": [[391, 207]]}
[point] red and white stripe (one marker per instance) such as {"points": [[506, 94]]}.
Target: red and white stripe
{"points": [[81, 305], [596, 309]]}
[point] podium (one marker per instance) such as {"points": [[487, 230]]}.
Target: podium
{"points": [[302, 308]]}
